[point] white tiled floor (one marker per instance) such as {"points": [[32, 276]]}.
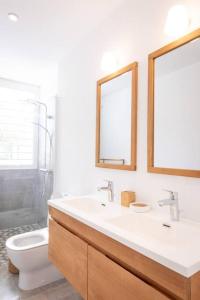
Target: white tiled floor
{"points": [[59, 290]]}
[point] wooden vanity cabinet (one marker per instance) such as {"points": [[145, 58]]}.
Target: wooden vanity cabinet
{"points": [[101, 268], [69, 254]]}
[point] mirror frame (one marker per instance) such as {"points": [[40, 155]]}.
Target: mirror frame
{"points": [[150, 141], [132, 166]]}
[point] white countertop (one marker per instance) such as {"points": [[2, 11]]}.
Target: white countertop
{"points": [[177, 248]]}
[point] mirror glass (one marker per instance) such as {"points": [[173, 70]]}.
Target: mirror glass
{"points": [[115, 130], [116, 119], [177, 108]]}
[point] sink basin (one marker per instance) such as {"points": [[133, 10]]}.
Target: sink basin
{"points": [[152, 228], [87, 205], [139, 224]]}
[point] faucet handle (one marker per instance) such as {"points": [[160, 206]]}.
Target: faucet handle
{"points": [[173, 194], [108, 181], [169, 191]]}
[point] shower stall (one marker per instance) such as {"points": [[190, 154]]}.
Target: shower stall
{"points": [[26, 156]]}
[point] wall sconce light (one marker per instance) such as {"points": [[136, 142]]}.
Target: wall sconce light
{"points": [[178, 21], [13, 17], [109, 62]]}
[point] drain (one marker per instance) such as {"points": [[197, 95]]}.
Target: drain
{"points": [[166, 225]]}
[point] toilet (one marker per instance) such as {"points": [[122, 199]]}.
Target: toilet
{"points": [[29, 254]]}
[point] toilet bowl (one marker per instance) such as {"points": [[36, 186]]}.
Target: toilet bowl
{"points": [[29, 253]]}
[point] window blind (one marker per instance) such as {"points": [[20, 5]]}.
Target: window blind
{"points": [[18, 132]]}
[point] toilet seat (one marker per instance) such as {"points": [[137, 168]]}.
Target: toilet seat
{"points": [[28, 240]]}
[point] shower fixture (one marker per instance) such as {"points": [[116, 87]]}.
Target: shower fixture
{"points": [[47, 170], [44, 127], [50, 136]]}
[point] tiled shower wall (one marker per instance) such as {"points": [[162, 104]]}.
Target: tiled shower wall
{"points": [[21, 200]]}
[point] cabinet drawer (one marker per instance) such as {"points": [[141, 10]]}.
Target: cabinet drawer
{"points": [[69, 254], [107, 280]]}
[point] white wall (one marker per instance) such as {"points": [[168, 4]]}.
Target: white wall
{"points": [[132, 31], [40, 73]]}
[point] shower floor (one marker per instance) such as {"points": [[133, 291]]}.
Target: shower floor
{"points": [[6, 233]]}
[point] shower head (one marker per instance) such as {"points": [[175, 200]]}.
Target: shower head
{"points": [[35, 102]]}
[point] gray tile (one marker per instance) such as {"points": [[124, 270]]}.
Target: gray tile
{"points": [[20, 191], [40, 296]]}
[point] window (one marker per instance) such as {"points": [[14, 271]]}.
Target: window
{"points": [[18, 129]]}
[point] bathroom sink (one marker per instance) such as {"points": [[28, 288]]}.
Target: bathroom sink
{"points": [[139, 224], [152, 234], [150, 227], [87, 205]]}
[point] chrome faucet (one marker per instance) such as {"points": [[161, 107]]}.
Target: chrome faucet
{"points": [[109, 189], [172, 202]]}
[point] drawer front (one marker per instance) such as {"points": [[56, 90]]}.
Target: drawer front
{"points": [[107, 280], [69, 254]]}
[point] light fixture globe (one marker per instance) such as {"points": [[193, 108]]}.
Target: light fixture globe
{"points": [[177, 23], [13, 17]]}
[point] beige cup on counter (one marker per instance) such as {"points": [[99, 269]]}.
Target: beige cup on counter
{"points": [[127, 197]]}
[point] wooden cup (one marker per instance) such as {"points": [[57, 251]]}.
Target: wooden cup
{"points": [[127, 197]]}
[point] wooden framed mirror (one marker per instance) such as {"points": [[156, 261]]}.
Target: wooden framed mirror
{"points": [[116, 119], [174, 108]]}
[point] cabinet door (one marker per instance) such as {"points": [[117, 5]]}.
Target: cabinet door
{"points": [[107, 280], [69, 254]]}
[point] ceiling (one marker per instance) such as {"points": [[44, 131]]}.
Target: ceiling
{"points": [[48, 29]]}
